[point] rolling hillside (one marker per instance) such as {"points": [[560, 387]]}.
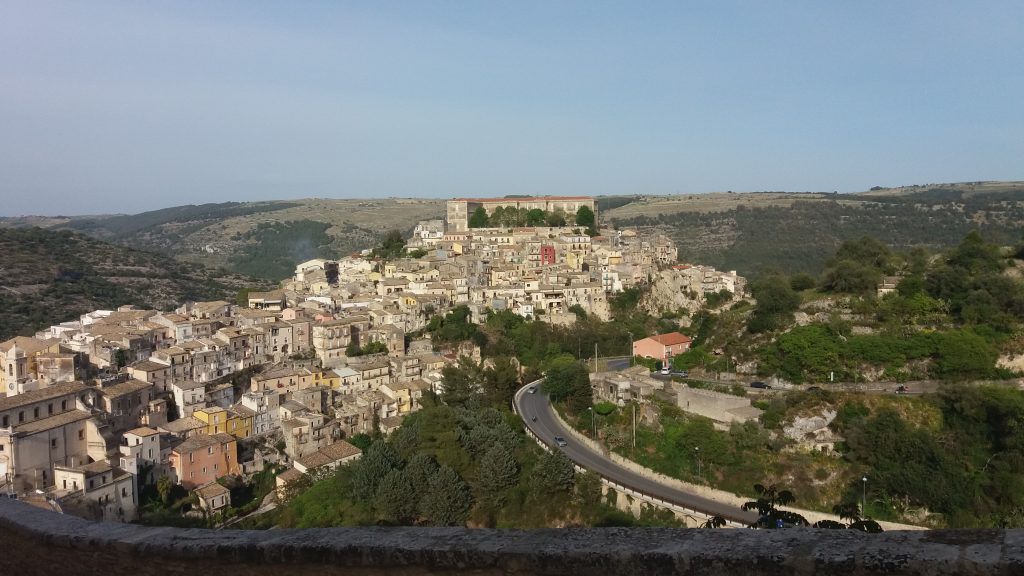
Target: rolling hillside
{"points": [[750, 232], [50, 276], [262, 239], [797, 232]]}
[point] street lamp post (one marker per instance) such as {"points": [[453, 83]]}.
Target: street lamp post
{"points": [[696, 449], [864, 496], [593, 421]]}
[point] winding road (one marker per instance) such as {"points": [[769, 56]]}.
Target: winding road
{"points": [[547, 426]]}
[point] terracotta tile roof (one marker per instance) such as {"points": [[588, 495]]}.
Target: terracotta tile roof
{"points": [[671, 339]]}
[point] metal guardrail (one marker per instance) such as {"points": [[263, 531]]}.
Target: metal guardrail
{"points": [[733, 521]]}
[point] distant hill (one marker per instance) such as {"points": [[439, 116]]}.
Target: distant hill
{"points": [[261, 239], [52, 276], [749, 232], [797, 232]]}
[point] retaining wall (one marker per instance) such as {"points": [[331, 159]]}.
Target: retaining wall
{"points": [[39, 542]]}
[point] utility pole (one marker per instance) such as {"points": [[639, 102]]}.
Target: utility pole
{"points": [[634, 426], [864, 496]]}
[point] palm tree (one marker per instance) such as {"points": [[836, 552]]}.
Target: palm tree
{"points": [[769, 516], [713, 522]]}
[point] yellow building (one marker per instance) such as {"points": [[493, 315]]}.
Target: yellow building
{"points": [[328, 378], [235, 421]]}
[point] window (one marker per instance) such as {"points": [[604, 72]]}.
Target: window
{"points": [[124, 492], [53, 443], [191, 457], [35, 412], [90, 484], [81, 434], [49, 408], [209, 450], [204, 469], [21, 416], [63, 404], [6, 422], [215, 467], [191, 474]]}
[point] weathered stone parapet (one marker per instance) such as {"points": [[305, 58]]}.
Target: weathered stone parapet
{"points": [[36, 541]]}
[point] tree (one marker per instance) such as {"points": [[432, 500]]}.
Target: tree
{"points": [[120, 358], [851, 277], [498, 471], [962, 355], [242, 298], [714, 522], [394, 500], [535, 217], [802, 281], [567, 380], [553, 473], [556, 219], [500, 380], [391, 246], [448, 500], [164, 486], [776, 302], [461, 382], [866, 251], [585, 217], [479, 218], [767, 506], [369, 470]]}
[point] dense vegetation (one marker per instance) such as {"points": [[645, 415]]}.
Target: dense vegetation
{"points": [[273, 249], [456, 462], [800, 238], [518, 217], [949, 317], [54, 276]]}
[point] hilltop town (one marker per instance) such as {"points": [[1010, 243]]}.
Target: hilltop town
{"points": [[200, 399]]}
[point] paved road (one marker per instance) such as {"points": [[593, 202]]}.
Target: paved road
{"points": [[546, 427]]}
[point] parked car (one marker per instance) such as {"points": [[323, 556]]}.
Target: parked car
{"points": [[533, 389], [759, 384], [561, 442], [901, 389], [666, 370], [681, 374]]}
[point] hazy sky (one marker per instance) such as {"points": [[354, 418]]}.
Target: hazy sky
{"points": [[124, 107]]}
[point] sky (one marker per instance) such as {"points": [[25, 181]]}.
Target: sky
{"points": [[122, 107]]}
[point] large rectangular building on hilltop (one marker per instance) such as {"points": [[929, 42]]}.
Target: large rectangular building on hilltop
{"points": [[460, 209]]}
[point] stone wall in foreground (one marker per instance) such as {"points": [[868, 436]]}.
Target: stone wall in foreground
{"points": [[35, 541]]}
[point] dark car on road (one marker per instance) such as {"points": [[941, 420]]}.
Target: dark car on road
{"points": [[761, 385]]}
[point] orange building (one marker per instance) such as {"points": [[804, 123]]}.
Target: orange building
{"points": [[204, 458], [662, 346]]}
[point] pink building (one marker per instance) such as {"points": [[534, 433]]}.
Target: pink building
{"points": [[203, 459], [547, 255], [662, 346]]}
